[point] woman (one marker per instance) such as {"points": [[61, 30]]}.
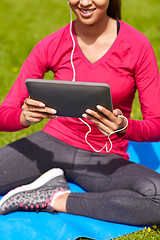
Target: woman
{"points": [[117, 190]]}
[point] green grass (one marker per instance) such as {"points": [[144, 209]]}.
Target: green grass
{"points": [[24, 23], [150, 233]]}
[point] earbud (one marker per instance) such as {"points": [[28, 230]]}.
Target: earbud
{"points": [[68, 2]]}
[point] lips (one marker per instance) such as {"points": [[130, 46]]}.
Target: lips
{"points": [[86, 12]]}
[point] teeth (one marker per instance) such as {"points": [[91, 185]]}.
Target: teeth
{"points": [[86, 11]]}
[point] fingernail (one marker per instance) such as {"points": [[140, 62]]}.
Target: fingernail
{"points": [[53, 111], [84, 115], [88, 111], [42, 105], [99, 107]]}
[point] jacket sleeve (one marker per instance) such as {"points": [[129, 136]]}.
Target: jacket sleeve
{"points": [[34, 67], [147, 80]]}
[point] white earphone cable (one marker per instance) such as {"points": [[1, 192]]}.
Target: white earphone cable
{"points": [[72, 64], [105, 146]]}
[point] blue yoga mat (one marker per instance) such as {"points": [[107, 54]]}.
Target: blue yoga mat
{"points": [[61, 226]]}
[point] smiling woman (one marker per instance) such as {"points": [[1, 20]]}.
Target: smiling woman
{"points": [[117, 190]]}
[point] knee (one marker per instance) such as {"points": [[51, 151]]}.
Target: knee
{"points": [[147, 188]]}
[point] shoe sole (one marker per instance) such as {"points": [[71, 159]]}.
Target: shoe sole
{"points": [[39, 182]]}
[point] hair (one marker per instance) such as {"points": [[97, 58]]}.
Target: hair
{"points": [[114, 9]]}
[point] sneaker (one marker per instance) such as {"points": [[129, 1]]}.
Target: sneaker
{"points": [[37, 196]]}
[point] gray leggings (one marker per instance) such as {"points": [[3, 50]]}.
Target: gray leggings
{"points": [[116, 190]]}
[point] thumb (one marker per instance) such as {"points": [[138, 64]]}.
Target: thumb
{"points": [[117, 112]]}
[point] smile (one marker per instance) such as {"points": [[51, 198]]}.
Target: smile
{"points": [[86, 13]]}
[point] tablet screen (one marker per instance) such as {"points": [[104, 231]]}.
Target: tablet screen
{"points": [[70, 99]]}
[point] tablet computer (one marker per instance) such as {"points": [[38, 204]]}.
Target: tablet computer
{"points": [[70, 99]]}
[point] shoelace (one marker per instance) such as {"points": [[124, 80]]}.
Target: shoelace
{"points": [[38, 207]]}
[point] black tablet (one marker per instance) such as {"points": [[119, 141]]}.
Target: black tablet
{"points": [[70, 99]]}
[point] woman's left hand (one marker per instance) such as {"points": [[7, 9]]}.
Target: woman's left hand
{"points": [[107, 121]]}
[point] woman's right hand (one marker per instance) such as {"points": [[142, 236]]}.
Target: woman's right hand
{"points": [[34, 111]]}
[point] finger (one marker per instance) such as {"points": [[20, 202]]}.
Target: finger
{"points": [[34, 120], [50, 110], [42, 110], [106, 112], [102, 122], [104, 128], [39, 116], [92, 115], [117, 112], [121, 120], [36, 106], [116, 122], [104, 132], [32, 102]]}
